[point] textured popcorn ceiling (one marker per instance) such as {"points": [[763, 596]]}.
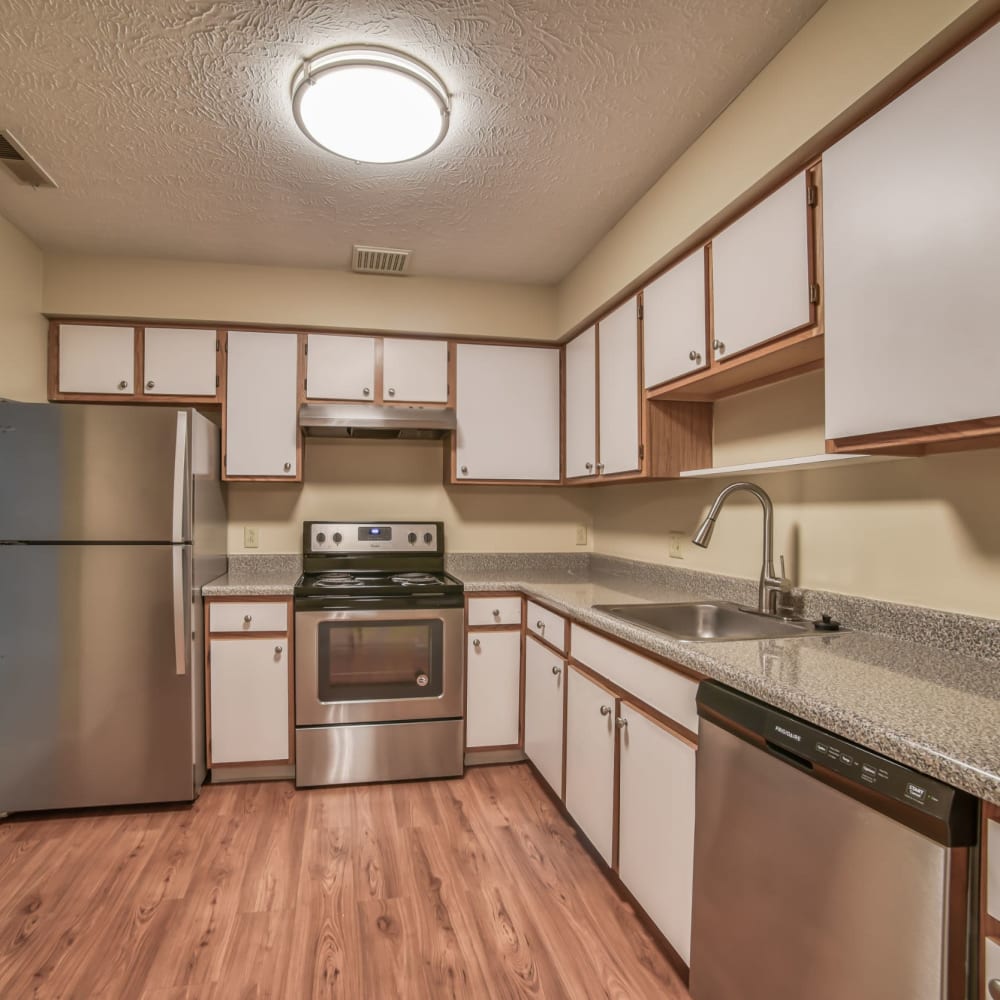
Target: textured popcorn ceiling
{"points": [[167, 124]]}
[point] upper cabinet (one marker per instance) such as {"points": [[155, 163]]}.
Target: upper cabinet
{"points": [[912, 241], [376, 369], [619, 424], [133, 364], [581, 405], [261, 435], [675, 321], [761, 272], [180, 362], [508, 413]]}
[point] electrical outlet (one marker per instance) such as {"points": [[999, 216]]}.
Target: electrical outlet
{"points": [[675, 543], [251, 538], [581, 534]]}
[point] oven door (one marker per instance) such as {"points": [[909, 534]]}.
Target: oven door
{"points": [[377, 666]]}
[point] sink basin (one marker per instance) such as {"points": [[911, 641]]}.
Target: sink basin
{"points": [[709, 621]]}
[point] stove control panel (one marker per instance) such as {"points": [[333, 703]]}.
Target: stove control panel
{"points": [[376, 536]]}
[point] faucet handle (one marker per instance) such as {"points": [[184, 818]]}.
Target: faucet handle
{"points": [[786, 584]]}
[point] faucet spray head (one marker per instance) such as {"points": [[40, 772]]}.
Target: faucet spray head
{"points": [[704, 533]]}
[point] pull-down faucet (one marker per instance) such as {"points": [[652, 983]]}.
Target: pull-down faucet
{"points": [[771, 584]]}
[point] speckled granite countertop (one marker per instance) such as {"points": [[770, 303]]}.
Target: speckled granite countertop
{"points": [[932, 708], [257, 576]]}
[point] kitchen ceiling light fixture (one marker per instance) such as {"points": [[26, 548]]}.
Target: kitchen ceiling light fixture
{"points": [[370, 104]]}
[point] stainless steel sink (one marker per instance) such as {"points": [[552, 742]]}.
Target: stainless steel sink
{"points": [[709, 621]]}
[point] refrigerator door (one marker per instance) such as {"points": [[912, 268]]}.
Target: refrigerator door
{"points": [[83, 473], [95, 675]]}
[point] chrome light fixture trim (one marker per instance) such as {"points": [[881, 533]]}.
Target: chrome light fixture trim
{"points": [[420, 84]]}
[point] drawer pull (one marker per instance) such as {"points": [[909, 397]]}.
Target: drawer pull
{"points": [[540, 625], [475, 642], [278, 650], [247, 619], [496, 612]]}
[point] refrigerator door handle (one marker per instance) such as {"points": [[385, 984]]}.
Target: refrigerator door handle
{"points": [[182, 631], [181, 478]]}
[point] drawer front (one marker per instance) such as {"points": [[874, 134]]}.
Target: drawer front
{"points": [[494, 611], [666, 690], [547, 625], [249, 616]]}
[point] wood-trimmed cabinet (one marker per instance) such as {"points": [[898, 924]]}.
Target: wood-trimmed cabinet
{"points": [[260, 425], [493, 672], [249, 678], [114, 362], [508, 405], [358, 368], [989, 909]]}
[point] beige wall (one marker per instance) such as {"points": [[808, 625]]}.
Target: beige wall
{"points": [[847, 48], [357, 480], [22, 329], [236, 293]]}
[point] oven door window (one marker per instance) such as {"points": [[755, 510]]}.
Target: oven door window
{"points": [[376, 661]]}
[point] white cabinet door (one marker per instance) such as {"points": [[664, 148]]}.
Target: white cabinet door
{"points": [[656, 825], [590, 760], [249, 700], [760, 271], [415, 371], [261, 404], [507, 403], [493, 689], [544, 675], [911, 232], [674, 322], [179, 362], [618, 365], [97, 359], [340, 367], [581, 405]]}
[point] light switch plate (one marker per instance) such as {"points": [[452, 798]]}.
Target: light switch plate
{"points": [[251, 538], [675, 543], [581, 534]]}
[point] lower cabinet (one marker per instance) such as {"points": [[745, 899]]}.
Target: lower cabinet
{"points": [[544, 684], [248, 682], [493, 689], [656, 824], [590, 760]]}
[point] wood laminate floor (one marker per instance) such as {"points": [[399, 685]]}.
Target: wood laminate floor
{"points": [[472, 888]]}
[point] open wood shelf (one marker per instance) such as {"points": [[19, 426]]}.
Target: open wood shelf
{"points": [[785, 465]]}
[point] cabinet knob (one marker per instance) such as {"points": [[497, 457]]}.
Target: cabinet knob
{"points": [[247, 619], [589, 466], [392, 392], [423, 680], [600, 466], [475, 643], [278, 650], [464, 470], [288, 466], [150, 384], [695, 357], [621, 723], [605, 709], [540, 625], [993, 986], [366, 391], [719, 346], [123, 384], [496, 612], [556, 669]]}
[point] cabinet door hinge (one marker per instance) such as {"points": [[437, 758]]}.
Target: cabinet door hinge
{"points": [[642, 452], [812, 195], [305, 348], [813, 294], [305, 384], [217, 348], [640, 310], [216, 381]]}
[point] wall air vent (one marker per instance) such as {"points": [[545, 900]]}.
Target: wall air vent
{"points": [[380, 260], [21, 164]]}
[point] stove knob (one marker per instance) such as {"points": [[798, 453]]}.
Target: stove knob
{"points": [[338, 537], [412, 537], [428, 537], [321, 538]]}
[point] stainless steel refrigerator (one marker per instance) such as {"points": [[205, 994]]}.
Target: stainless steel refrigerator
{"points": [[111, 520]]}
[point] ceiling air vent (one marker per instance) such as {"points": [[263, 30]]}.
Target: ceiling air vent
{"points": [[20, 163], [380, 260]]}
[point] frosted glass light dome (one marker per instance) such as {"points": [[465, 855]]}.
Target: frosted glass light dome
{"points": [[370, 104]]}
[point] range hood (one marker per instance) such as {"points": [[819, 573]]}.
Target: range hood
{"points": [[366, 420]]}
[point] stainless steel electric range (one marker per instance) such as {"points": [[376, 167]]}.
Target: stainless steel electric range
{"points": [[379, 690]]}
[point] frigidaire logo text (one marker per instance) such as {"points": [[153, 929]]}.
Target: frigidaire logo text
{"points": [[788, 733]]}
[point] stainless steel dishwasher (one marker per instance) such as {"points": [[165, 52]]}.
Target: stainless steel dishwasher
{"points": [[823, 871]]}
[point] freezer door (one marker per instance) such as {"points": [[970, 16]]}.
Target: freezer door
{"points": [[82, 473], [96, 705]]}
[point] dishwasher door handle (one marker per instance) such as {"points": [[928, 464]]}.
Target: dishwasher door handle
{"points": [[802, 763]]}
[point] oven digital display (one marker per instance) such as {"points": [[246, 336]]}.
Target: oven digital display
{"points": [[375, 533]]}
